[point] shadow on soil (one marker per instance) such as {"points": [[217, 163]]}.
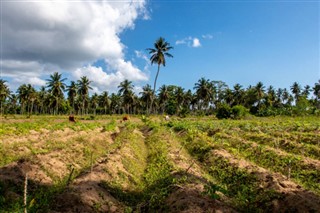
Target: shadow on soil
{"points": [[169, 194]]}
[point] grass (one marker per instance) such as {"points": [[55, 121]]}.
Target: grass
{"points": [[147, 176]]}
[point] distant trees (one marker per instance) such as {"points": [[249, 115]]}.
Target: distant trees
{"points": [[83, 86], [208, 97]]}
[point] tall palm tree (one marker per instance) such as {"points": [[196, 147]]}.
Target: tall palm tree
{"points": [[188, 97], [94, 102], [204, 91], [163, 97], [56, 87], [218, 88], [147, 96], [104, 101], [259, 89], [238, 94], [72, 93], [115, 104], [158, 56], [22, 97], [271, 96], [42, 94], [4, 93], [13, 102], [228, 97], [83, 90], [179, 95], [296, 89], [125, 91], [31, 97], [306, 91], [316, 92]]}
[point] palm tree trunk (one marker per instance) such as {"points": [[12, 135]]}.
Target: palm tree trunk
{"points": [[154, 89], [155, 80]]}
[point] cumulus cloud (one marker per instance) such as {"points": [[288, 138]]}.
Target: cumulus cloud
{"points": [[196, 42], [102, 81], [39, 37], [189, 41]]}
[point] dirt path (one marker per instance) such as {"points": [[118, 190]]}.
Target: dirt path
{"points": [[190, 196], [89, 192]]}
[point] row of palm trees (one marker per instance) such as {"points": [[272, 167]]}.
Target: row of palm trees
{"points": [[207, 97], [171, 99]]}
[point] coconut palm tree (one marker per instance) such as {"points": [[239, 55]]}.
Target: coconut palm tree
{"points": [[22, 97], [31, 97], [179, 95], [306, 91], [147, 96], [296, 89], [56, 87], [104, 101], [188, 98], [316, 92], [13, 102], [259, 90], [42, 95], [125, 91], [238, 94], [271, 97], [158, 56], [204, 91], [4, 93], [94, 102], [115, 104], [83, 91], [163, 97], [72, 93]]}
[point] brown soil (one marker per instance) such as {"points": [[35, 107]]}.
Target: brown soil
{"points": [[313, 163], [189, 197], [296, 199]]}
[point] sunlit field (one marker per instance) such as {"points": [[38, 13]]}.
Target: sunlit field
{"points": [[148, 164]]}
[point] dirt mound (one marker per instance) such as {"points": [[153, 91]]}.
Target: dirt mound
{"points": [[189, 199], [294, 197]]}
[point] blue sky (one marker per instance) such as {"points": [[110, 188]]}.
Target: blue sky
{"points": [[276, 42]]}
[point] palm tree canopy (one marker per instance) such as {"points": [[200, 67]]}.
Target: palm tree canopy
{"points": [[160, 50], [125, 87], [84, 86], [56, 85], [4, 90]]}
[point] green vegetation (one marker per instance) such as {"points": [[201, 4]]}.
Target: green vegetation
{"points": [[144, 163], [209, 97]]}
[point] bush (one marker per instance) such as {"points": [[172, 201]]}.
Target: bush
{"points": [[239, 112], [223, 111]]}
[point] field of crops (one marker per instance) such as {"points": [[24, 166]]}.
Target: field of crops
{"points": [[194, 164]]}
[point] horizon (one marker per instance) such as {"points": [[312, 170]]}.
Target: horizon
{"points": [[276, 43]]}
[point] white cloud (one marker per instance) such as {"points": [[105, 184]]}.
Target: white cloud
{"points": [[189, 41], [141, 55], [196, 42], [207, 36], [183, 41], [40, 37], [102, 81]]}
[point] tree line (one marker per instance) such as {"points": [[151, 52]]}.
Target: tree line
{"points": [[208, 97]]}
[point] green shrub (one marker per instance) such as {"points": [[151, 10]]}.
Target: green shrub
{"points": [[223, 111], [239, 112]]}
